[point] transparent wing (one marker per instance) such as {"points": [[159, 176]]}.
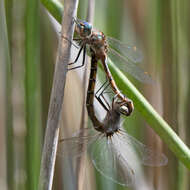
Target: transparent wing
{"points": [[111, 164], [128, 66], [130, 52], [147, 155], [76, 145]]}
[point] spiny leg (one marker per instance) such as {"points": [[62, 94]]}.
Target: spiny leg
{"points": [[101, 87], [104, 92], [82, 44], [76, 59], [104, 87], [98, 97], [83, 61], [75, 39], [102, 103]]}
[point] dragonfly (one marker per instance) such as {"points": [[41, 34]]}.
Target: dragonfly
{"points": [[110, 147], [108, 49]]}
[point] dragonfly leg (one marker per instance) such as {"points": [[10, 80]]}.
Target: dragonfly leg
{"points": [[79, 41], [98, 97], [101, 87], [83, 61], [105, 101], [104, 92], [76, 59], [71, 41], [104, 89], [103, 104]]}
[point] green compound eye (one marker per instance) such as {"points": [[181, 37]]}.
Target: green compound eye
{"points": [[87, 25], [99, 37], [87, 28]]}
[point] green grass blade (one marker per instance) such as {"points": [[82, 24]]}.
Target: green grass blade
{"points": [[6, 60], [54, 7], [32, 94]]}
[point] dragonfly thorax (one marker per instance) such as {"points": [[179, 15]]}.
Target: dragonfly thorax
{"points": [[97, 42]]}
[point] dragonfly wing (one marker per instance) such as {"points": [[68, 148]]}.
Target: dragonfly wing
{"points": [[111, 164], [76, 145], [128, 66], [147, 155], [131, 52]]}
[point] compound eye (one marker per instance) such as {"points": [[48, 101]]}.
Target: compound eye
{"points": [[87, 28], [87, 25], [124, 110], [99, 37]]}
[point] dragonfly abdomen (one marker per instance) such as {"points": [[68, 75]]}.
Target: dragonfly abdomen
{"points": [[90, 94]]}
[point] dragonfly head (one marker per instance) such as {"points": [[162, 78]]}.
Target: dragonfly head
{"points": [[122, 107], [83, 28]]}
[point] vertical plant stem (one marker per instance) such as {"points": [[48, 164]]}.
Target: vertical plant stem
{"points": [[84, 116], [90, 11], [32, 94], [8, 100], [57, 94], [180, 47], [185, 21]]}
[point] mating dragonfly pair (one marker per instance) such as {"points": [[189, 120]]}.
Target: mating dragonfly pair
{"points": [[110, 147]]}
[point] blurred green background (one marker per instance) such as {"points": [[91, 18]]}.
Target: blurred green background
{"points": [[28, 45]]}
